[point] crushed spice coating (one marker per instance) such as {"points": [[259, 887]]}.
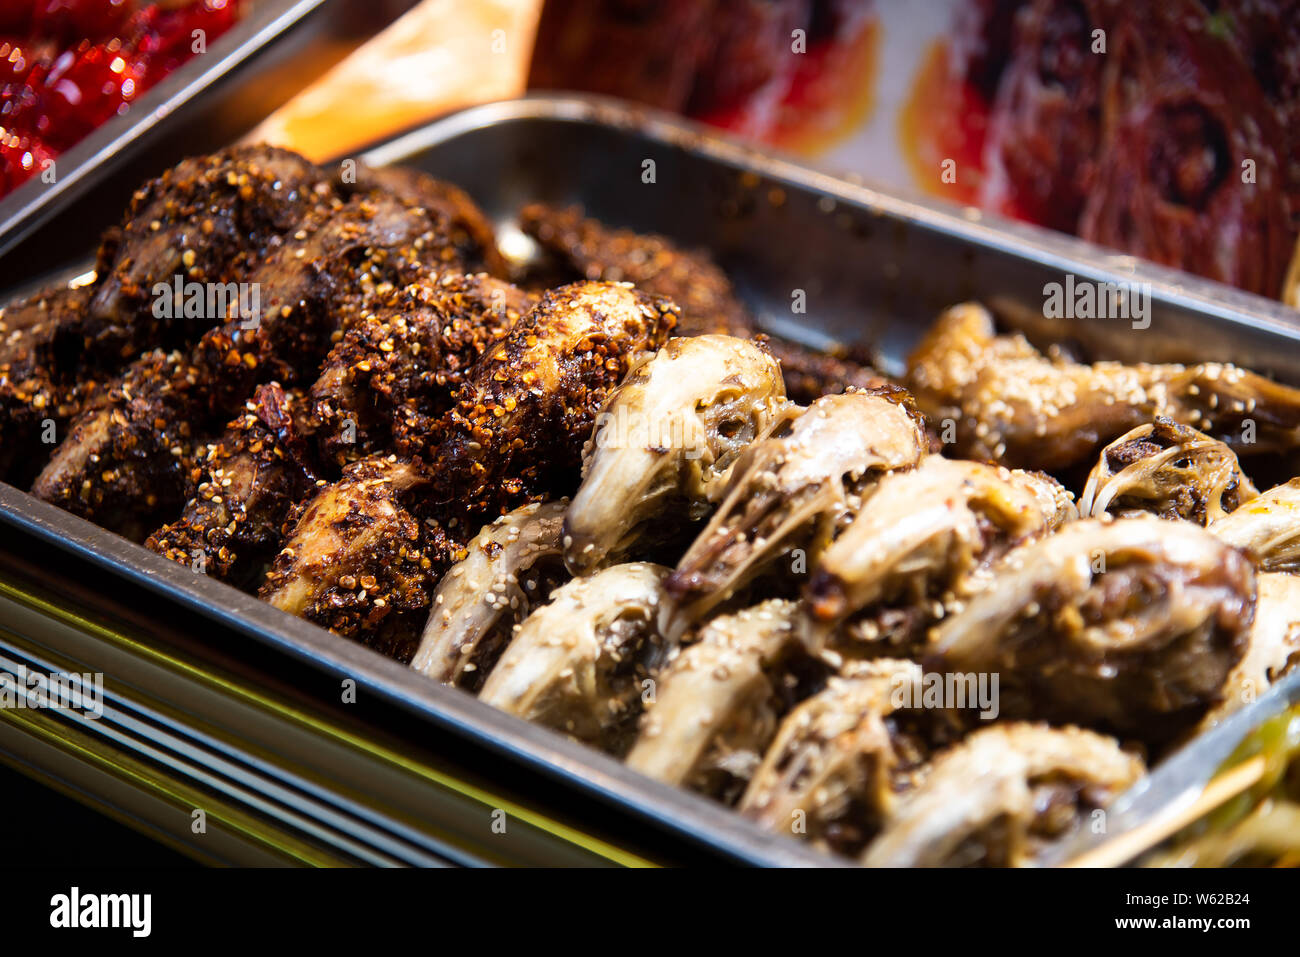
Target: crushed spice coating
{"points": [[245, 486], [400, 363], [358, 560], [517, 430], [118, 467]]}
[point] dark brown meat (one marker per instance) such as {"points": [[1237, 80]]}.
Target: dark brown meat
{"points": [[359, 562], [467, 237], [38, 390], [123, 465], [250, 479], [395, 372], [208, 220], [516, 432]]}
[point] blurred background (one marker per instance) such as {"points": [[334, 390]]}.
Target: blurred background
{"points": [[1161, 128]]}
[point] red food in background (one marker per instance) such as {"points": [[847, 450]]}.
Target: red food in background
{"points": [[68, 66]]}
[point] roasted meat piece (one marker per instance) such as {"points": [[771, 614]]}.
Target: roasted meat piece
{"points": [[509, 569], [124, 464], [664, 444], [208, 220], [388, 382], [250, 479], [1009, 403], [1002, 796], [1131, 626], [793, 488], [717, 705], [1268, 527], [1169, 470], [43, 380], [842, 758], [581, 663], [516, 432], [919, 547], [358, 562]]}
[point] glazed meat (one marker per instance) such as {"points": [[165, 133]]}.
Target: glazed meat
{"points": [[516, 433], [1274, 648], [250, 479], [1169, 470], [691, 279], [1002, 796], [717, 705], [580, 664], [510, 568], [1010, 403], [358, 561], [842, 758], [1268, 527], [126, 461], [1131, 626], [919, 547], [386, 385], [664, 444], [793, 488]]}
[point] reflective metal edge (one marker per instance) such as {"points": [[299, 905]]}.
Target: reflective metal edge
{"points": [[81, 167], [192, 738]]}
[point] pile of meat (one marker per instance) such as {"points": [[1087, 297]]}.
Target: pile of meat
{"points": [[859, 611]]}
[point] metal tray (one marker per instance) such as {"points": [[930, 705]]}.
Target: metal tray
{"points": [[873, 267], [122, 138]]}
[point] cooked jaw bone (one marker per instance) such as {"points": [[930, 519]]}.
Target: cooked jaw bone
{"points": [[666, 440], [1169, 470], [508, 569], [914, 552], [579, 664], [1268, 527], [840, 759], [792, 488], [718, 703], [1274, 648], [1132, 625], [1002, 795]]}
